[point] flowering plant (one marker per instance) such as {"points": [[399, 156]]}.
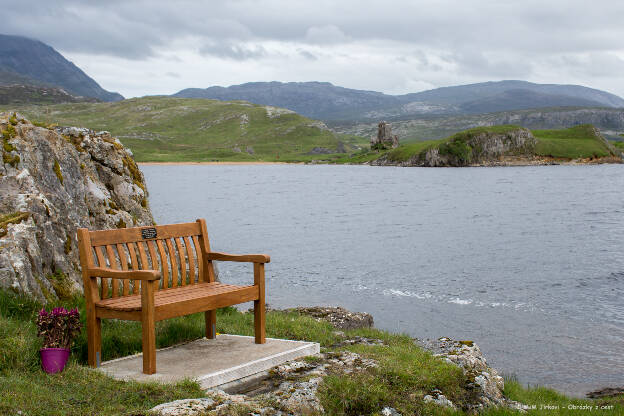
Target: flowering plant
{"points": [[58, 327]]}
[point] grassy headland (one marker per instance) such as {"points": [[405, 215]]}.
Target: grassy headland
{"points": [[165, 129], [580, 142], [405, 374]]}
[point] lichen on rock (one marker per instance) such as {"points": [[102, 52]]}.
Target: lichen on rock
{"points": [[339, 317], [59, 179], [484, 381]]}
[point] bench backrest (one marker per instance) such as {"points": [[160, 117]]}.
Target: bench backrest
{"points": [[176, 250]]}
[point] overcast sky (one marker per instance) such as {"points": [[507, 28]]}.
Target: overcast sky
{"points": [[160, 47]]}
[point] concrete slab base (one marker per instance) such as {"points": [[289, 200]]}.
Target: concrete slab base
{"points": [[212, 362]]}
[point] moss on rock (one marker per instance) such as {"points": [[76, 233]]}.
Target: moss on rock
{"points": [[57, 171], [12, 218], [134, 171], [10, 160], [68, 244], [61, 284]]}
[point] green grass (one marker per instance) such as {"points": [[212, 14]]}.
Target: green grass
{"points": [[81, 391], [165, 129], [549, 402], [407, 151], [573, 143], [405, 373], [122, 338], [618, 145]]}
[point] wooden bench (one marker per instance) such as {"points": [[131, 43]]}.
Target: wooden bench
{"points": [[149, 274]]}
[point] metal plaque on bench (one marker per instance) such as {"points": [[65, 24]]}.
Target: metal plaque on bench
{"points": [[148, 233]]}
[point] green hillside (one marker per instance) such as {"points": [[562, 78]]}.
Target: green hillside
{"points": [[573, 143], [580, 142], [182, 129]]}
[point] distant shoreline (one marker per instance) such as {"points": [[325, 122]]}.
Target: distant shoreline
{"points": [[216, 163], [506, 161]]}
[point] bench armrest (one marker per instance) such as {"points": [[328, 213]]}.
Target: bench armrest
{"points": [[124, 274], [248, 258]]}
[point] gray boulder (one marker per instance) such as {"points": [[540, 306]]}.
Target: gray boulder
{"points": [[53, 181]]}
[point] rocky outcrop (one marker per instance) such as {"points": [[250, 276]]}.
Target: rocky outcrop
{"points": [[288, 389], [339, 317], [485, 382], [53, 181], [603, 118], [385, 139], [605, 392], [292, 388], [472, 148], [184, 407], [320, 151]]}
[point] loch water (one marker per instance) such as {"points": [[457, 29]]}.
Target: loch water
{"points": [[526, 261]]}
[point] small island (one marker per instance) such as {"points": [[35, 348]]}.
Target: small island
{"points": [[506, 145]]}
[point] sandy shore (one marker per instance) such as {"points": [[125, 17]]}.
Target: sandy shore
{"points": [[215, 163]]}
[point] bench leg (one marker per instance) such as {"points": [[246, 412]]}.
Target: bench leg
{"points": [[259, 320], [211, 324], [94, 339], [149, 347], [148, 326]]}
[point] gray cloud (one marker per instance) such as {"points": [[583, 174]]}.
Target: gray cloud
{"points": [[456, 41], [229, 50], [137, 28], [306, 54]]}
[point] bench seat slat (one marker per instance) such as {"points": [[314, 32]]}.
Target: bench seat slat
{"points": [[192, 294], [166, 296]]}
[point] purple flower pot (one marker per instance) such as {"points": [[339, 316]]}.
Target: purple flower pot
{"points": [[53, 360]]}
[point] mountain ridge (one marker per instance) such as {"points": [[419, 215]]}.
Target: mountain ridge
{"points": [[325, 101], [26, 61]]}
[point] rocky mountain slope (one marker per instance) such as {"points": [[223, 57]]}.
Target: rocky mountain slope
{"points": [[609, 120], [26, 94], [325, 101], [320, 100], [460, 94], [30, 62], [53, 181], [177, 129]]}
